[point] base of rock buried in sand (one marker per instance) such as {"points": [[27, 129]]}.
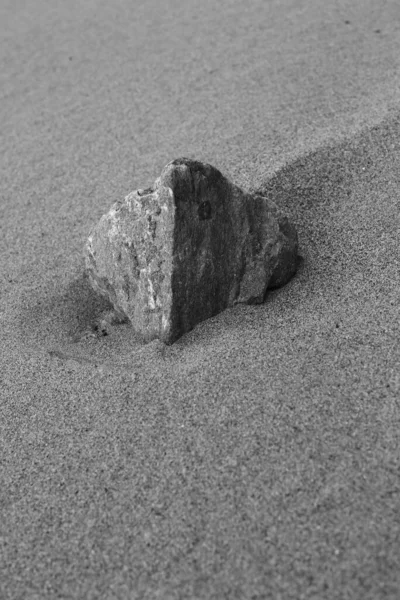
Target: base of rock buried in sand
{"points": [[182, 251]]}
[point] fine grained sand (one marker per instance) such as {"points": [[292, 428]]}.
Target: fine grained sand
{"points": [[257, 457]]}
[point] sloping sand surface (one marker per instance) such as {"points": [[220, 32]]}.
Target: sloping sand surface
{"points": [[258, 456]]}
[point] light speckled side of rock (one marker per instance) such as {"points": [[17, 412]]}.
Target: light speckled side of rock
{"points": [[187, 248], [129, 259]]}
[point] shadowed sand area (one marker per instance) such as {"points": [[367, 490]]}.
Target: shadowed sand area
{"points": [[258, 456]]}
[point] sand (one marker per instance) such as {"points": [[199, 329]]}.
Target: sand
{"points": [[258, 456]]}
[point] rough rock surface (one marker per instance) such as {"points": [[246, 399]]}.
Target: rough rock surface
{"points": [[185, 249]]}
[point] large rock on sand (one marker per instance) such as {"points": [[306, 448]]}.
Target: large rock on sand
{"points": [[185, 249]]}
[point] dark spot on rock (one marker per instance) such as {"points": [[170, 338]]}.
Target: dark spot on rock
{"points": [[119, 257], [204, 210], [377, 30], [347, 22]]}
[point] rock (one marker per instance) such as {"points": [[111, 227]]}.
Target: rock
{"points": [[187, 248]]}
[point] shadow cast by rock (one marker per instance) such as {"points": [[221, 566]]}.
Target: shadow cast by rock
{"points": [[64, 316]]}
